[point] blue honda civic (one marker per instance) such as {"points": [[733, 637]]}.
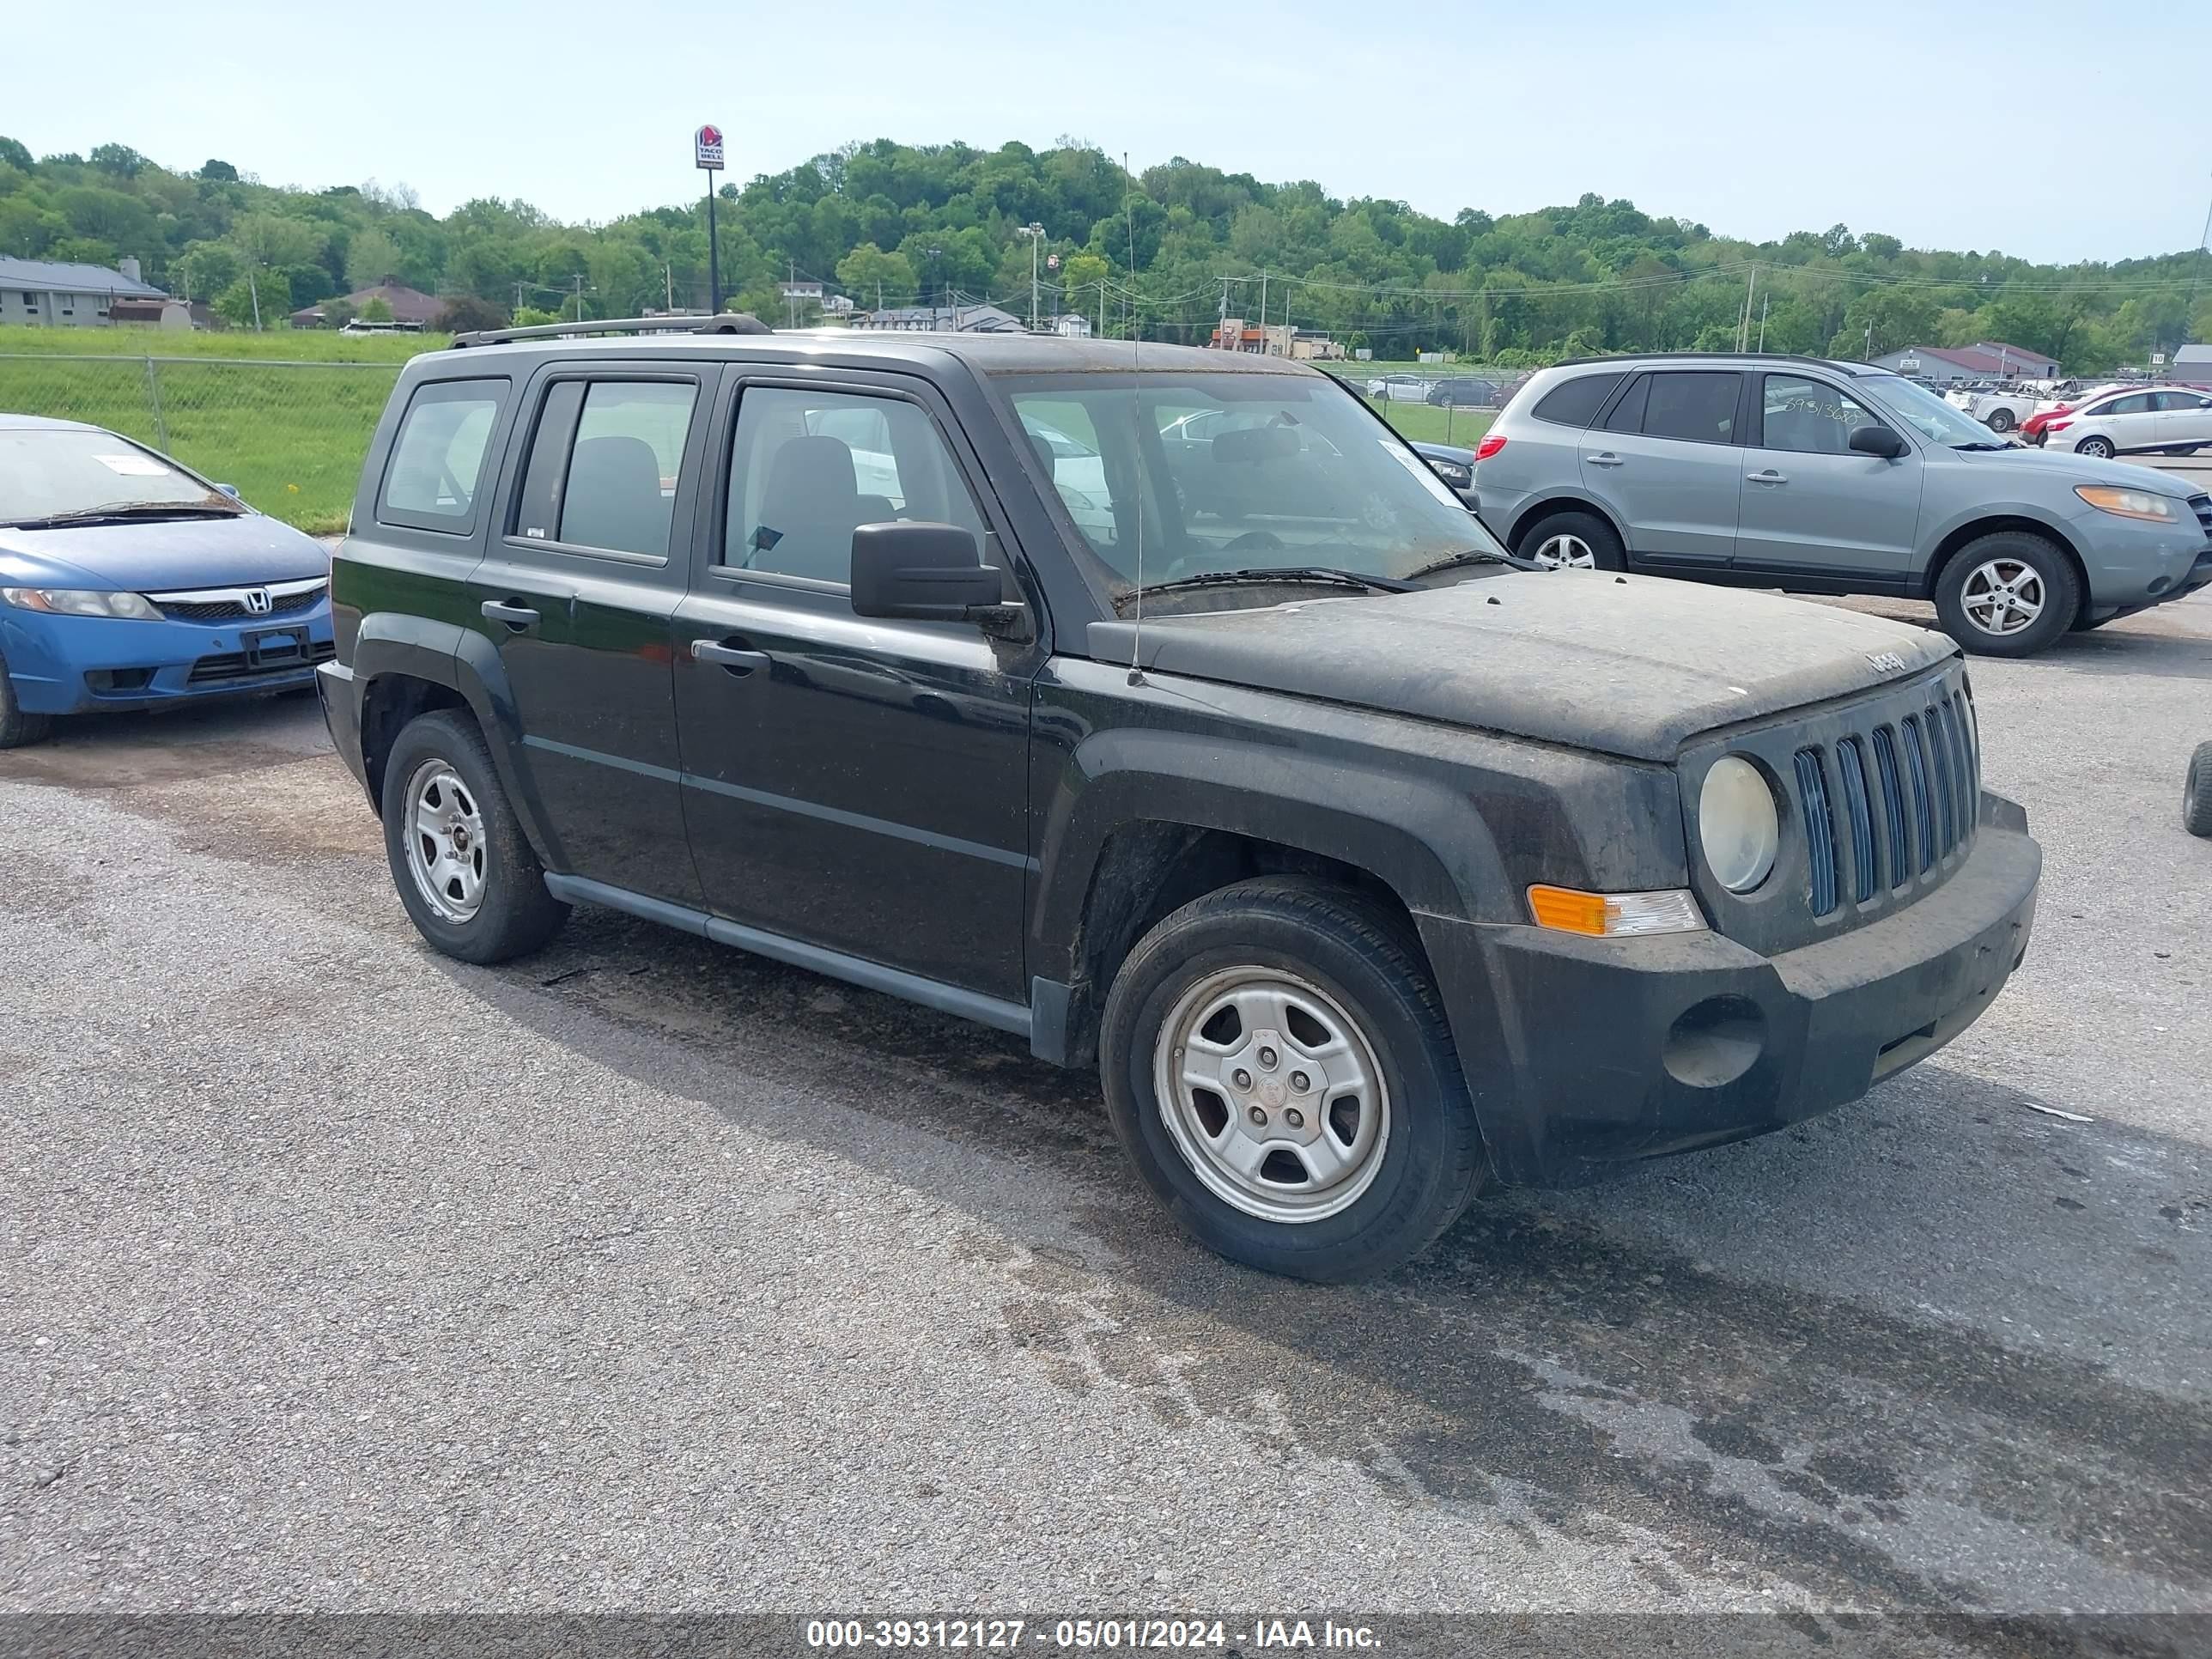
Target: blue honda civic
{"points": [[129, 581]]}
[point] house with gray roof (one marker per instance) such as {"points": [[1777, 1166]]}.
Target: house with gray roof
{"points": [[54, 294]]}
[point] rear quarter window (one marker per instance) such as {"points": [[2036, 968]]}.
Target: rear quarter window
{"points": [[433, 478], [1576, 402]]}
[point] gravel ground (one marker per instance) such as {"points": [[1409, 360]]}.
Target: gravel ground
{"points": [[642, 1275]]}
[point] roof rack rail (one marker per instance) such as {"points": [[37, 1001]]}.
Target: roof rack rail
{"points": [[727, 322], [1770, 357]]}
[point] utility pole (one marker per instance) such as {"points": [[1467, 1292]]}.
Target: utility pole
{"points": [[668, 281], [253, 288], [1763, 305], [1036, 234], [580, 296], [1263, 307], [1743, 328]]}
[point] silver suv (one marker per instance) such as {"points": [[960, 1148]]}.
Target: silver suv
{"points": [[1831, 477]]}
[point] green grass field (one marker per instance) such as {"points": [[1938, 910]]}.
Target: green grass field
{"points": [[279, 344], [290, 438], [1464, 427]]}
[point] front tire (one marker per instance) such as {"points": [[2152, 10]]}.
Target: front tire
{"points": [[471, 884], [2008, 594], [1278, 1067], [2097, 449], [1573, 541], [2000, 420], [17, 728], [2196, 792]]}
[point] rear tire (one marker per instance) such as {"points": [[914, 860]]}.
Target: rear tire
{"points": [[2008, 594], [2098, 449], [1577, 541], [2196, 792], [471, 884], [1365, 1146], [17, 728]]}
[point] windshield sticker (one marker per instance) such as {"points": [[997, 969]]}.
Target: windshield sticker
{"points": [[133, 466], [1420, 468]]}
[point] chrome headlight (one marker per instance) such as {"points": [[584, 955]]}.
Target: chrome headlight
{"points": [[82, 602], [1737, 824]]}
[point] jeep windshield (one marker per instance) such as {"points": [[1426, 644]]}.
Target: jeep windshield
{"points": [[1254, 479]]}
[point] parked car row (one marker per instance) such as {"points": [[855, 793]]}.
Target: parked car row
{"points": [[2172, 420]]}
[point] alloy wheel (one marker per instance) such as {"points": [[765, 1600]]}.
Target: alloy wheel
{"points": [[1565, 552], [2002, 597]]}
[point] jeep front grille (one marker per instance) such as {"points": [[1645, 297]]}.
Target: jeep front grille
{"points": [[1897, 821]]}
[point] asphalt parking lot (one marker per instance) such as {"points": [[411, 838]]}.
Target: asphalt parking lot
{"points": [[644, 1275]]}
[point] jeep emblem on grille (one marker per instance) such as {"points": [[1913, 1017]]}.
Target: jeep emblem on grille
{"points": [[259, 603], [1885, 662]]}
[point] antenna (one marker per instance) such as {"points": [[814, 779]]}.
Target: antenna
{"points": [[1137, 406]]}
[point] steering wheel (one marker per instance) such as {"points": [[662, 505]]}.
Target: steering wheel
{"points": [[1252, 538]]}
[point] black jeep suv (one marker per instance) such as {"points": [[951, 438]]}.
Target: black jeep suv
{"points": [[1159, 706]]}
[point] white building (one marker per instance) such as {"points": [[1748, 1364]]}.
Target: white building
{"points": [[48, 294], [2192, 363]]}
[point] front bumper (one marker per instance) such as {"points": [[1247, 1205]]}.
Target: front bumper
{"points": [[1584, 1055], [85, 665], [340, 694]]}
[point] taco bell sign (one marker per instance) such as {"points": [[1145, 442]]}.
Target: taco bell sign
{"points": [[708, 145]]}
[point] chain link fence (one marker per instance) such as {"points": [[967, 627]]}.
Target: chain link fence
{"points": [[289, 436]]}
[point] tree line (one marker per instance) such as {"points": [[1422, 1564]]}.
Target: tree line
{"points": [[1163, 253]]}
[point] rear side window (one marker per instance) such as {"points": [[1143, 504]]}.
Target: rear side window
{"points": [[1627, 415], [1697, 406], [603, 466], [1576, 402], [437, 460]]}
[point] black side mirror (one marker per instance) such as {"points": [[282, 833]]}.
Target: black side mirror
{"points": [[921, 573], [1877, 441]]}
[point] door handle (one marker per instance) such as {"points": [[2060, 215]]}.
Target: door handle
{"points": [[1604, 458], [1768, 476], [734, 660], [517, 617]]}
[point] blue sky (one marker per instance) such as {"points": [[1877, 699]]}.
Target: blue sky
{"points": [[2053, 130]]}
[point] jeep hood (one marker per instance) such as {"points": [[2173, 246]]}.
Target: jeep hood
{"points": [[1630, 665]]}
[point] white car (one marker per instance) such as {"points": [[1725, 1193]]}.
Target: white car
{"points": [[2172, 420], [2001, 410], [1400, 389]]}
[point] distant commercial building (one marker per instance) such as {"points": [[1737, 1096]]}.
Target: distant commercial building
{"points": [[52, 293], [1275, 340], [1986, 359], [2192, 363], [1071, 326], [943, 320]]}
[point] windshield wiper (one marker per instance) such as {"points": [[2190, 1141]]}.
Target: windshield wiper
{"points": [[1475, 556], [1318, 574], [123, 510], [1983, 443]]}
